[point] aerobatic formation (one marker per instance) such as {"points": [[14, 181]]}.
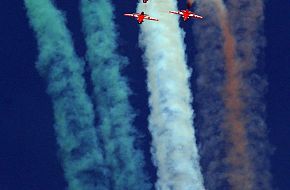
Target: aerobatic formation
{"points": [[186, 14], [96, 133]]}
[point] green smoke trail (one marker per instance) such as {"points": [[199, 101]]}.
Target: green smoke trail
{"points": [[73, 112], [111, 96]]}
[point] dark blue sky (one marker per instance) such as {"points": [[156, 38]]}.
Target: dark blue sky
{"points": [[28, 151]]}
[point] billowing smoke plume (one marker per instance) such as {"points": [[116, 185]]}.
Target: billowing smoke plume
{"points": [[250, 40], [240, 173], [73, 111], [209, 63], [111, 92], [171, 119], [240, 122]]}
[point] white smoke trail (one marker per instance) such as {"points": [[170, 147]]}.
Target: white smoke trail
{"points": [[171, 119]]}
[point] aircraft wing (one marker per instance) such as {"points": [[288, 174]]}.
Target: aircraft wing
{"points": [[176, 12], [150, 18], [195, 16], [132, 15]]}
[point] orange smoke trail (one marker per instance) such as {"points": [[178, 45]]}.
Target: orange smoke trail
{"points": [[248, 13], [240, 28], [240, 173], [246, 18]]}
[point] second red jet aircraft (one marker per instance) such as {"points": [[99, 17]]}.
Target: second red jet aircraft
{"points": [[186, 14]]}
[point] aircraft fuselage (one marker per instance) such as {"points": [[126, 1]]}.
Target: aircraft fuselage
{"points": [[140, 18], [186, 14]]}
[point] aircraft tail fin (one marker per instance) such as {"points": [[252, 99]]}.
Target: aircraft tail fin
{"points": [[189, 3]]}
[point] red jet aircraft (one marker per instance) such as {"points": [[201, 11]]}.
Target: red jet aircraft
{"points": [[141, 16], [186, 14]]}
